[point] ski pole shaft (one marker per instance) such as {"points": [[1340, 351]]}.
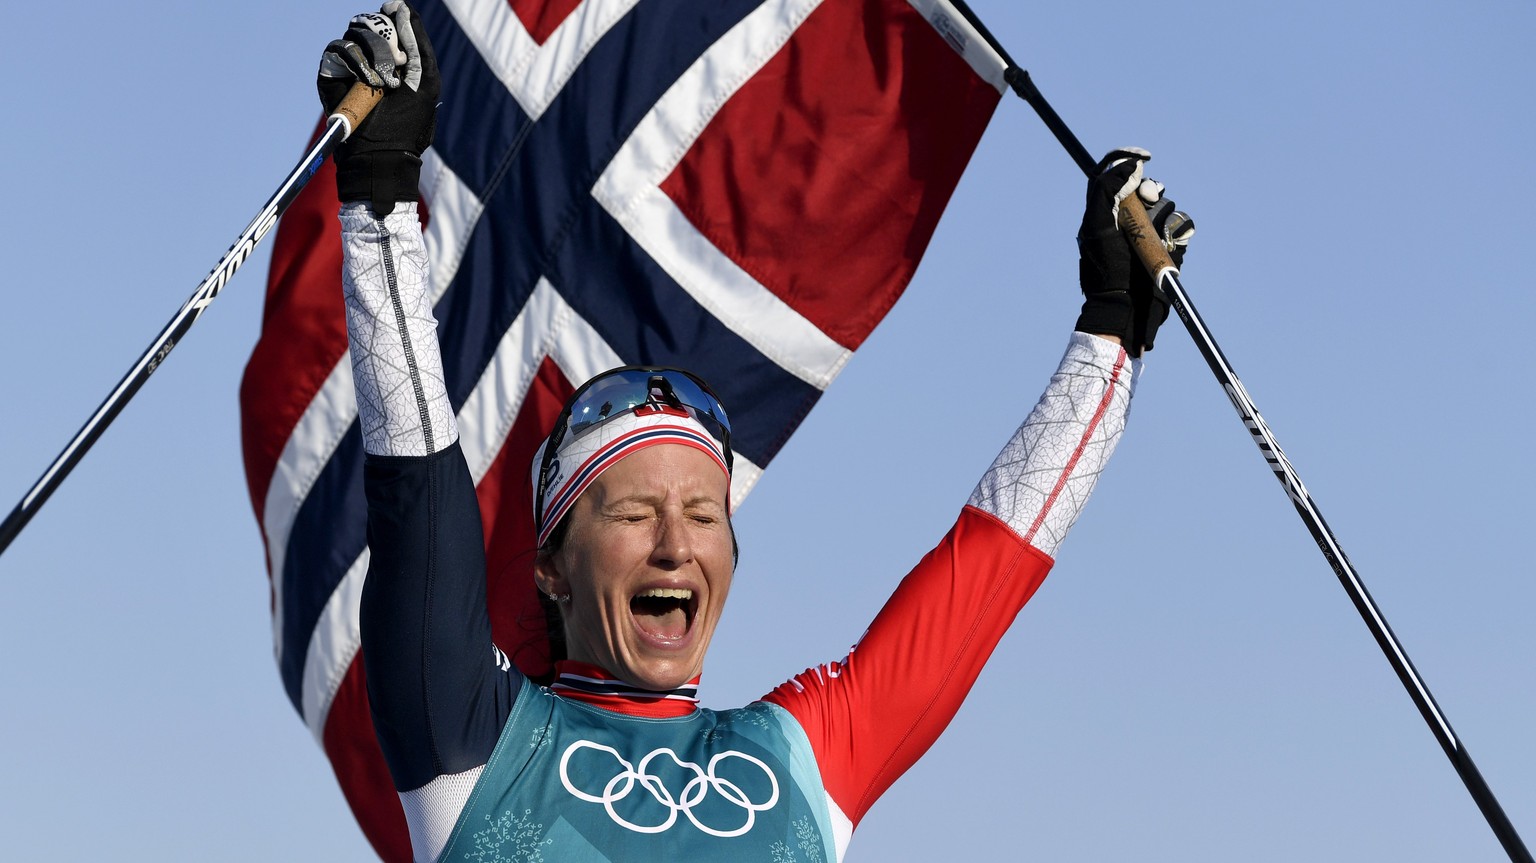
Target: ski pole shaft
{"points": [[348, 115], [1167, 277], [1154, 257]]}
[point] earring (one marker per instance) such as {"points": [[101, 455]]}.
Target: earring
{"points": [[559, 597]]}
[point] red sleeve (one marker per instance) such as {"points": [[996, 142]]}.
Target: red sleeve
{"points": [[871, 716]]}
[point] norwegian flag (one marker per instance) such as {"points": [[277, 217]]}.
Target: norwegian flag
{"points": [[738, 187]]}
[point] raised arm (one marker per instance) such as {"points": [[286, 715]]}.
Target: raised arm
{"points": [[872, 715], [439, 689]]}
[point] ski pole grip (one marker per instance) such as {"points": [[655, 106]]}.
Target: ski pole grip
{"points": [[359, 101], [1143, 237]]}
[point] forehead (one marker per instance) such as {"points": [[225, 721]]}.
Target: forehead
{"points": [[661, 471]]}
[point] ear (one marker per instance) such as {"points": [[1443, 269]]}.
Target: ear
{"points": [[547, 575]]}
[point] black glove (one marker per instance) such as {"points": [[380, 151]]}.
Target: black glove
{"points": [[1119, 297], [380, 162]]}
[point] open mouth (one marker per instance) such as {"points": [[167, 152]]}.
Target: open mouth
{"points": [[664, 613]]}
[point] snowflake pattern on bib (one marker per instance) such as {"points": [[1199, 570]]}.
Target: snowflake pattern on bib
{"points": [[510, 839]]}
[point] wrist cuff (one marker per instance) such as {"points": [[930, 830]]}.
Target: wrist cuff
{"points": [[380, 178], [1109, 313]]}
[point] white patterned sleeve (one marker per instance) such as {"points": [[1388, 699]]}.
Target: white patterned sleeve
{"points": [[397, 368], [1041, 480]]}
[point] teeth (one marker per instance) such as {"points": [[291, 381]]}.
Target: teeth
{"points": [[668, 593]]}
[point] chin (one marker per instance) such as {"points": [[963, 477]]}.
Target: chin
{"points": [[661, 674]]}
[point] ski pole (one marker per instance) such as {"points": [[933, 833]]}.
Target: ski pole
{"points": [[353, 109], [1150, 249]]}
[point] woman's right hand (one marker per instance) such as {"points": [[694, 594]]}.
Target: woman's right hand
{"points": [[380, 162]]}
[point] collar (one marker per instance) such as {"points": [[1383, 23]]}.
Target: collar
{"points": [[579, 681]]}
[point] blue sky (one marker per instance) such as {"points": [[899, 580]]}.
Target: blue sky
{"points": [[1191, 684]]}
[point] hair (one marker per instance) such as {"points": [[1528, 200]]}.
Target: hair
{"points": [[554, 625]]}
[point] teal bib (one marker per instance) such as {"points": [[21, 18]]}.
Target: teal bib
{"points": [[572, 782]]}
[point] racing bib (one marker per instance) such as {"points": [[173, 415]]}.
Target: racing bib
{"points": [[572, 782]]}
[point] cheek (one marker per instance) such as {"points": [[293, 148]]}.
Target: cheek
{"points": [[598, 557], [721, 561]]}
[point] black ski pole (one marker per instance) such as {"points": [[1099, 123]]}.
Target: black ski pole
{"points": [[1150, 249], [347, 116]]}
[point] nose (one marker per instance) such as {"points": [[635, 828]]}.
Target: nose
{"points": [[674, 546]]}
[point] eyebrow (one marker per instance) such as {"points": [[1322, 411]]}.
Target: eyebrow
{"points": [[654, 499]]}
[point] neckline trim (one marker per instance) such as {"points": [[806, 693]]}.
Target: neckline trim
{"points": [[593, 685]]}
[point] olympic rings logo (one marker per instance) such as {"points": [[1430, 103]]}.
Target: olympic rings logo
{"points": [[704, 780]]}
